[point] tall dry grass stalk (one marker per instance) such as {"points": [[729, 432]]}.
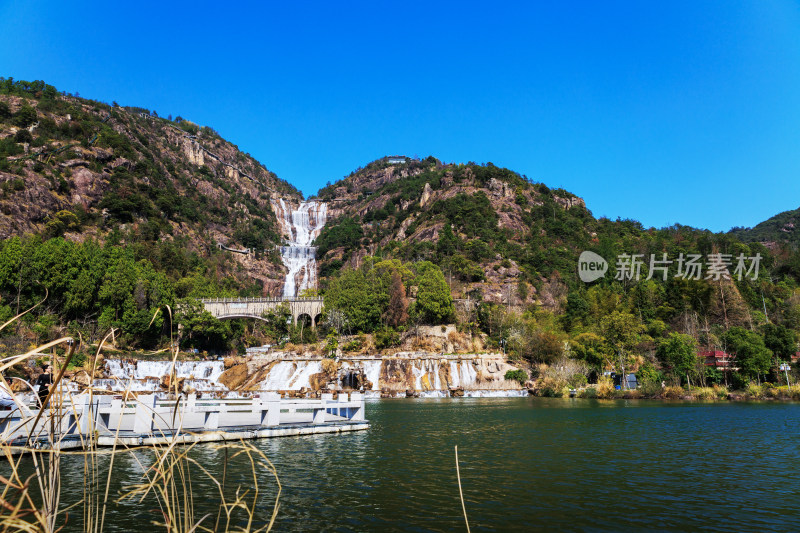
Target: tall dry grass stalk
{"points": [[31, 494]]}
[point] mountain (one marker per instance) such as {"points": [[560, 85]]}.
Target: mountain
{"points": [[88, 170], [109, 214], [783, 228], [486, 226], [503, 239]]}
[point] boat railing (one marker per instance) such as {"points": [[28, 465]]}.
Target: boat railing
{"points": [[87, 415]]}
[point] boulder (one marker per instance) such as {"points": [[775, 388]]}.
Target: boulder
{"points": [[319, 380], [234, 376], [82, 378], [168, 383], [230, 362]]}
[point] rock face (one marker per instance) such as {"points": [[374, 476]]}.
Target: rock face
{"points": [[426, 195], [409, 204], [193, 152]]}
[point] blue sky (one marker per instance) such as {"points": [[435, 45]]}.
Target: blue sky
{"points": [[684, 111]]}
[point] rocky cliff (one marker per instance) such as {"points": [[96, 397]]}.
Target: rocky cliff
{"points": [[84, 169], [483, 224]]}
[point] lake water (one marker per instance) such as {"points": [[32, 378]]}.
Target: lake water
{"points": [[527, 464]]}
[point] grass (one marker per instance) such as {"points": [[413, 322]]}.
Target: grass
{"points": [[31, 494], [652, 391]]}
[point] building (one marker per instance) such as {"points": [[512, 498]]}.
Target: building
{"points": [[718, 359]]}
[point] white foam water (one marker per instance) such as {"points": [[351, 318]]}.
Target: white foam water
{"points": [[372, 370], [300, 227], [143, 376], [203, 376]]}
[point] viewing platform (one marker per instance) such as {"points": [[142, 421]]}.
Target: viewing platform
{"points": [[150, 421]]}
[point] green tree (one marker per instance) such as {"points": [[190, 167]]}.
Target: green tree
{"points": [[781, 340], [23, 136], [622, 331], [61, 222], [434, 303], [277, 322], [352, 293], [576, 311], [752, 356], [678, 352], [448, 242], [24, 117], [201, 329], [591, 348]]}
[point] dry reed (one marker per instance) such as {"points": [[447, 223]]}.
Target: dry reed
{"points": [[32, 502]]}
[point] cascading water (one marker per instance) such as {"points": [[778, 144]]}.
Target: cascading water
{"points": [[429, 377], [300, 226], [146, 375]]}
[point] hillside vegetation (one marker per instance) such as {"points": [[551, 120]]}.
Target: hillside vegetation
{"points": [[112, 215], [114, 212], [783, 228], [509, 248]]}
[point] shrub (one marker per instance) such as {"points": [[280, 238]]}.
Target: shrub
{"points": [[517, 375], [353, 345], [577, 381], [386, 338], [706, 394], [738, 381], [23, 136], [722, 392], [9, 147], [674, 393], [589, 392], [15, 185], [651, 389], [754, 390], [329, 366], [189, 127], [24, 117], [605, 388]]}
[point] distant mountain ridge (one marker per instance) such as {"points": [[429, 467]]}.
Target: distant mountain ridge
{"points": [[781, 228]]}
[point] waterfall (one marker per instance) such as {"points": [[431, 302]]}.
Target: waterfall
{"points": [[431, 377], [300, 227], [290, 375], [146, 375]]}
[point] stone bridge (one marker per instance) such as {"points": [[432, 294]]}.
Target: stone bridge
{"points": [[306, 309]]}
